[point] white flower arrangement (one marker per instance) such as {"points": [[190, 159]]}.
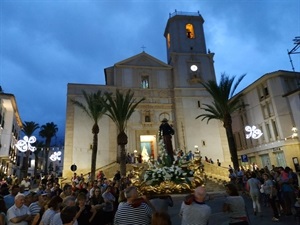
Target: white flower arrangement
{"points": [[160, 170], [174, 173]]}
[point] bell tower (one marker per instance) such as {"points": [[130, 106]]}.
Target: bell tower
{"points": [[186, 50]]}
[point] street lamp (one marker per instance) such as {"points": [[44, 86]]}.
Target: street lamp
{"points": [[197, 151], [295, 132], [135, 156]]}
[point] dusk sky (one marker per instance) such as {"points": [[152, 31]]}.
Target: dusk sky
{"points": [[44, 44]]}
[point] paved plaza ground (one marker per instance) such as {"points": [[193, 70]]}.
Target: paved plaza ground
{"points": [[220, 218]]}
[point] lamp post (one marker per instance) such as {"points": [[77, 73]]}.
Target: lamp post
{"points": [[197, 152], [135, 156], [294, 133]]}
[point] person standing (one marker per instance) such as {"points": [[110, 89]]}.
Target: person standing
{"points": [[161, 218], [3, 211], [69, 201], [234, 205], [161, 203], [19, 213], [108, 209], [166, 132], [10, 198], [135, 210], [26, 183], [67, 191], [271, 193], [38, 203], [195, 211], [85, 213], [97, 202], [68, 214], [287, 190], [53, 208], [254, 185]]}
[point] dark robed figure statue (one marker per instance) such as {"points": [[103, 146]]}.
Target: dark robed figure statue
{"points": [[166, 132]]}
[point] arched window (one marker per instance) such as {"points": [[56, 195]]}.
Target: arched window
{"points": [[190, 33]]}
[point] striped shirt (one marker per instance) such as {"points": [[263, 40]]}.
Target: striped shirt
{"points": [[48, 216], [34, 208], [127, 215]]}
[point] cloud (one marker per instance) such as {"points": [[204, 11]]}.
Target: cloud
{"points": [[44, 45]]}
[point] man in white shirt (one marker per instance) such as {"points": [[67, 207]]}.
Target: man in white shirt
{"points": [[195, 211], [19, 213], [26, 183]]}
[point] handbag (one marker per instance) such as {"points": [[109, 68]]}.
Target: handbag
{"points": [[262, 189]]}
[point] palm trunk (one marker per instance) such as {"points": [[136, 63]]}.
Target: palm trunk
{"points": [[94, 156], [231, 143], [123, 160], [25, 164], [95, 131], [47, 144], [36, 164], [46, 160], [122, 141]]}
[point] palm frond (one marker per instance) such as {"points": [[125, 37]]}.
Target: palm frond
{"points": [[93, 106], [221, 93], [30, 127], [121, 107]]}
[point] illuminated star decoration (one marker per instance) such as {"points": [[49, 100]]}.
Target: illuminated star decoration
{"points": [[253, 132], [55, 156], [25, 144]]}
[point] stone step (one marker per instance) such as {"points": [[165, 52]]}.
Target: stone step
{"points": [[212, 185]]}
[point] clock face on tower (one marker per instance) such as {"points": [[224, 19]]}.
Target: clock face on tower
{"points": [[194, 68]]}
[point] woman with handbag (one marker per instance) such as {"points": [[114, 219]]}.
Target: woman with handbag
{"points": [[254, 189]]}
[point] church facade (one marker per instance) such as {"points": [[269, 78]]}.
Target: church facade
{"points": [[172, 91]]}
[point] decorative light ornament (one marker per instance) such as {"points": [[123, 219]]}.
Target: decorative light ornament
{"points": [[25, 144], [55, 156], [254, 132]]}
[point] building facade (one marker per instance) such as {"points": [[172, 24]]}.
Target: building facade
{"points": [[10, 128], [172, 91], [272, 106]]}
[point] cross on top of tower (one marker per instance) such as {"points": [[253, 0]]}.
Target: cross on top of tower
{"points": [[143, 47]]}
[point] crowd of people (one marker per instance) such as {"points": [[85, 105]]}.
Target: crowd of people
{"points": [[115, 201], [277, 188], [99, 202]]}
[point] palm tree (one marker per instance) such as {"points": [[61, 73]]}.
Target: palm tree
{"points": [[48, 131], [120, 109], [28, 130], [222, 107], [95, 110]]}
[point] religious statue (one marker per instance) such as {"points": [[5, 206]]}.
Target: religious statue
{"points": [[145, 155], [166, 131]]}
